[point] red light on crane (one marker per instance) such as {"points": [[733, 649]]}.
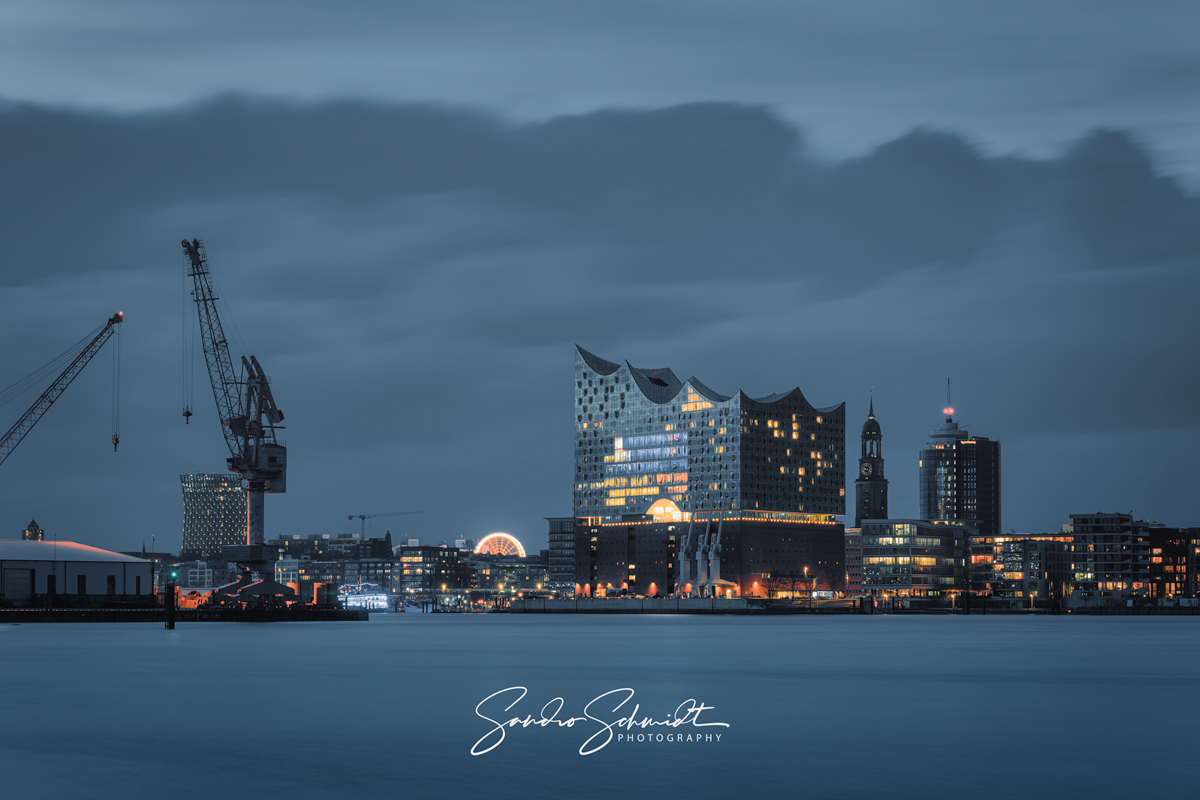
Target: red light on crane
{"points": [[949, 412]]}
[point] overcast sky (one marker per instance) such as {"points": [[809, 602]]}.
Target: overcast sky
{"points": [[414, 213]]}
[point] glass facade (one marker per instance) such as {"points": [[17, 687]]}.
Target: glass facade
{"points": [[647, 443], [914, 558], [561, 575], [214, 513], [960, 478]]}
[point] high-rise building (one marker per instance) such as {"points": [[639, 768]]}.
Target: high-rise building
{"points": [[960, 478], [679, 486], [214, 513], [870, 488], [32, 532]]}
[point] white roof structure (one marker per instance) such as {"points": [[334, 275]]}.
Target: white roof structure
{"points": [[19, 550]]}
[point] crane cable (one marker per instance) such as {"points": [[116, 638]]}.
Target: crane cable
{"points": [[116, 387], [188, 344], [54, 365]]}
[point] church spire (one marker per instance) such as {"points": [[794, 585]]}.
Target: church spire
{"points": [[870, 488]]}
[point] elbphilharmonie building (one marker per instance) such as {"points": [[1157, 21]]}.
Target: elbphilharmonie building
{"points": [[717, 470]]}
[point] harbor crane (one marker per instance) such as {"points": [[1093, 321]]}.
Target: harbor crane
{"points": [[249, 416], [365, 517], [40, 406]]}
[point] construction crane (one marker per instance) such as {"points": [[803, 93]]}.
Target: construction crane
{"points": [[249, 416], [365, 517], [40, 406]]}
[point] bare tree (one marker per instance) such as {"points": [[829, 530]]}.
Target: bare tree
{"points": [[774, 583]]}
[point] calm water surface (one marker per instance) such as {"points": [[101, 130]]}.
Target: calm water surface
{"points": [[837, 707]]}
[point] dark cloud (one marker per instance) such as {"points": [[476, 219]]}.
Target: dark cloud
{"points": [[413, 276], [723, 186]]}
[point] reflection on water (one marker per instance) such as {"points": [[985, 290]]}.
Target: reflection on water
{"points": [[975, 707]]}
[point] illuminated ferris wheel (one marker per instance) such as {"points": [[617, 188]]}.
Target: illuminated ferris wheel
{"points": [[499, 544]]}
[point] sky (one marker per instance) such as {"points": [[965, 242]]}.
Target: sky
{"points": [[414, 212]]}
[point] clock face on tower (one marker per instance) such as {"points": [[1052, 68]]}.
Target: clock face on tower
{"points": [[865, 469]]}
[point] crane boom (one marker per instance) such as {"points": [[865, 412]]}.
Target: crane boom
{"points": [[40, 406], [365, 517], [216, 348], [246, 406]]}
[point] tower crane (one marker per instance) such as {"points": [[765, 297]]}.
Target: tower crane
{"points": [[40, 406], [365, 517], [249, 416]]}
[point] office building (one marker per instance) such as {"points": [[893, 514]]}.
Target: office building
{"points": [[32, 532], [287, 570], [509, 574], [214, 513], [914, 558], [854, 562], [1110, 555], [1033, 569], [681, 488], [561, 558], [960, 478], [327, 547], [203, 574], [423, 570], [1173, 560], [378, 571], [326, 573]]}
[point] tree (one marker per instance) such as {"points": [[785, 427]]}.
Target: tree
{"points": [[774, 582]]}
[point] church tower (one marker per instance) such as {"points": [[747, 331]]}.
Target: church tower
{"points": [[870, 489]]}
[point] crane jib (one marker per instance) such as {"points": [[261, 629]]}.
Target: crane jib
{"points": [[40, 406]]}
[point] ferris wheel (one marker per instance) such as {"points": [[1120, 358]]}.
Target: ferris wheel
{"points": [[499, 544]]}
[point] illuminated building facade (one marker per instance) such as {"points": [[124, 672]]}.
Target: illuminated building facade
{"points": [[854, 562], [914, 558], [1173, 561], [1115, 556], [423, 570], [960, 478], [642, 435], [1110, 555], [369, 570], [32, 532], [561, 577], [507, 573], [1033, 569], [681, 489], [214, 513]]}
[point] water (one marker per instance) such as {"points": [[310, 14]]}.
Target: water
{"points": [[818, 707]]}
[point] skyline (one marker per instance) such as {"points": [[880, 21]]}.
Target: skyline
{"points": [[412, 261]]}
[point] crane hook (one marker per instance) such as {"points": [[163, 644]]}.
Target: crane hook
{"points": [[187, 412], [116, 441]]}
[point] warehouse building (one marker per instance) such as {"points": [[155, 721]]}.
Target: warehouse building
{"points": [[32, 572]]}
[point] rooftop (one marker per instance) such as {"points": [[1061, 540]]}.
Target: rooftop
{"points": [[20, 550]]}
